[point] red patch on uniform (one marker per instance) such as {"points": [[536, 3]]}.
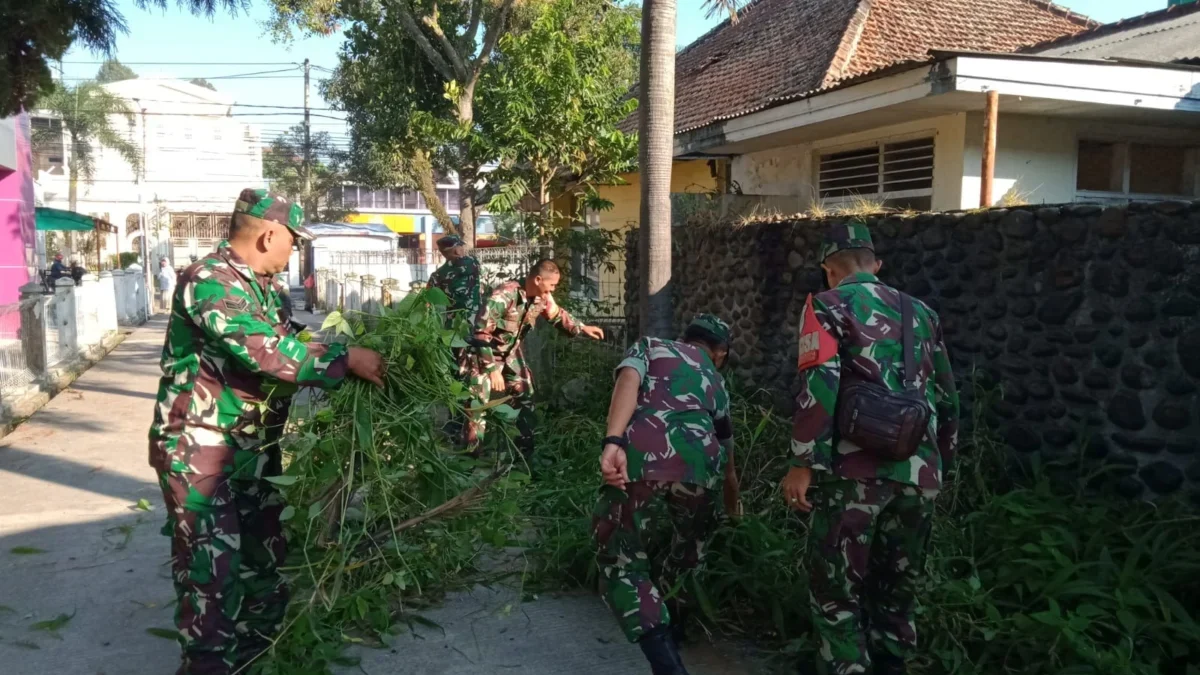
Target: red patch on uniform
{"points": [[816, 344]]}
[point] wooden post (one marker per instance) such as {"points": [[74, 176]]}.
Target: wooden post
{"points": [[987, 173]]}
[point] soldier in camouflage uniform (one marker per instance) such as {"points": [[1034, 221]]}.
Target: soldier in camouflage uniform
{"points": [[871, 516], [669, 437], [230, 366], [496, 362], [458, 278]]}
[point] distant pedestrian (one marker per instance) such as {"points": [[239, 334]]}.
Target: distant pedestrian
{"points": [[165, 280], [875, 428], [310, 292], [58, 269], [230, 367]]}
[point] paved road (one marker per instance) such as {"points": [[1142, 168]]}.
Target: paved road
{"points": [[74, 543]]}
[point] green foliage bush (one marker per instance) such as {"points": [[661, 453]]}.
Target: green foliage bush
{"points": [[1025, 574]]}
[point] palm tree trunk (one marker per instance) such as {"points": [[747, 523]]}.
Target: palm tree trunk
{"points": [[72, 198], [656, 126]]}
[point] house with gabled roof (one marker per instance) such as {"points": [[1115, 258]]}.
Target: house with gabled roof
{"points": [[820, 102]]}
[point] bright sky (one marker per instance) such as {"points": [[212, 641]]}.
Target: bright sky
{"points": [[174, 43]]}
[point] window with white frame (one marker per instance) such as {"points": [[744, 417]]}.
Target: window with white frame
{"points": [[895, 173], [1129, 170]]}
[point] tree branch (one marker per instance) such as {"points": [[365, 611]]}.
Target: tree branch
{"points": [[491, 35], [473, 23], [418, 36], [431, 21]]}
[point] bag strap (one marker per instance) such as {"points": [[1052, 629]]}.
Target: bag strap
{"points": [[906, 338]]}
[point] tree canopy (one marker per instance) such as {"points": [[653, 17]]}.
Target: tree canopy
{"points": [[283, 166], [113, 70], [201, 82], [34, 33]]}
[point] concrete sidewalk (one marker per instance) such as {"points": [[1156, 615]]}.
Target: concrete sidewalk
{"points": [[73, 543]]}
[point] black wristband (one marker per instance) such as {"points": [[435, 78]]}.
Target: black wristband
{"points": [[614, 440]]}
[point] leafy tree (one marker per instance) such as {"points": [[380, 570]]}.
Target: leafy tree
{"points": [[283, 166], [87, 111], [551, 106], [201, 82], [408, 76], [34, 33], [549, 111], [113, 70]]}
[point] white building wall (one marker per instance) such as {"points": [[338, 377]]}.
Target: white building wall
{"points": [[1036, 155], [791, 170], [197, 158]]}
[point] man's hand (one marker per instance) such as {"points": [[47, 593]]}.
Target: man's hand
{"points": [[497, 379], [594, 332], [795, 488], [733, 495], [367, 364], [614, 466]]}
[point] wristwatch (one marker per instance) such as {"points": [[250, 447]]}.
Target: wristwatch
{"points": [[614, 440]]}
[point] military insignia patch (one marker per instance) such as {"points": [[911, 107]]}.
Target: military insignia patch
{"points": [[240, 304], [816, 344]]}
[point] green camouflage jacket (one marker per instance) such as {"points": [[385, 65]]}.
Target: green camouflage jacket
{"points": [[459, 280], [229, 366], [681, 430], [506, 317], [853, 331]]}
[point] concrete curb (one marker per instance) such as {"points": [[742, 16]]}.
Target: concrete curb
{"points": [[55, 380]]}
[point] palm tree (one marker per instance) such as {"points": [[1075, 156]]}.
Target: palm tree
{"points": [[656, 132], [86, 111]]}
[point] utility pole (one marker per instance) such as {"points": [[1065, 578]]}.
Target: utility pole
{"points": [[307, 150], [140, 177]]}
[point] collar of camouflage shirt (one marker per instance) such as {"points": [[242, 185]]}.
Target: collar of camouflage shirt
{"points": [[235, 261], [860, 278]]}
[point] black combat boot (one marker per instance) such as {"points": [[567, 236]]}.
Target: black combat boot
{"points": [[679, 619], [661, 652], [885, 663]]}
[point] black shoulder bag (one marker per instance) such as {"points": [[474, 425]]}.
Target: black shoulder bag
{"points": [[888, 424]]}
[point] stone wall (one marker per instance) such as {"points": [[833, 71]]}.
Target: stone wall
{"points": [[1081, 320]]}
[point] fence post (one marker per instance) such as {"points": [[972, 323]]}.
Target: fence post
{"points": [[107, 303], [118, 278], [387, 288], [137, 292], [68, 328], [368, 292], [33, 327], [352, 291]]}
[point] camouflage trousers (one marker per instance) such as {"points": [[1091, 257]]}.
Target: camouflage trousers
{"points": [[870, 538], [518, 385], [619, 524], [226, 544]]}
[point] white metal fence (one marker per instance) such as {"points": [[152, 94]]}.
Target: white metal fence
{"points": [[405, 265], [45, 330]]}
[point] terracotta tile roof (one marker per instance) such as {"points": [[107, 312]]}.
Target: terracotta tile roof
{"points": [[1101, 30], [781, 48]]}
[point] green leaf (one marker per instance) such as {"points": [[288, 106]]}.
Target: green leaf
{"points": [[53, 625], [288, 512], [285, 481], [164, 633], [25, 550], [144, 505], [457, 342], [408, 364], [507, 412], [436, 296], [334, 318], [314, 510], [1127, 619]]}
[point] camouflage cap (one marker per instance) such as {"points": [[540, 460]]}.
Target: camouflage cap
{"points": [[845, 236], [272, 208], [450, 240], [713, 324]]}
